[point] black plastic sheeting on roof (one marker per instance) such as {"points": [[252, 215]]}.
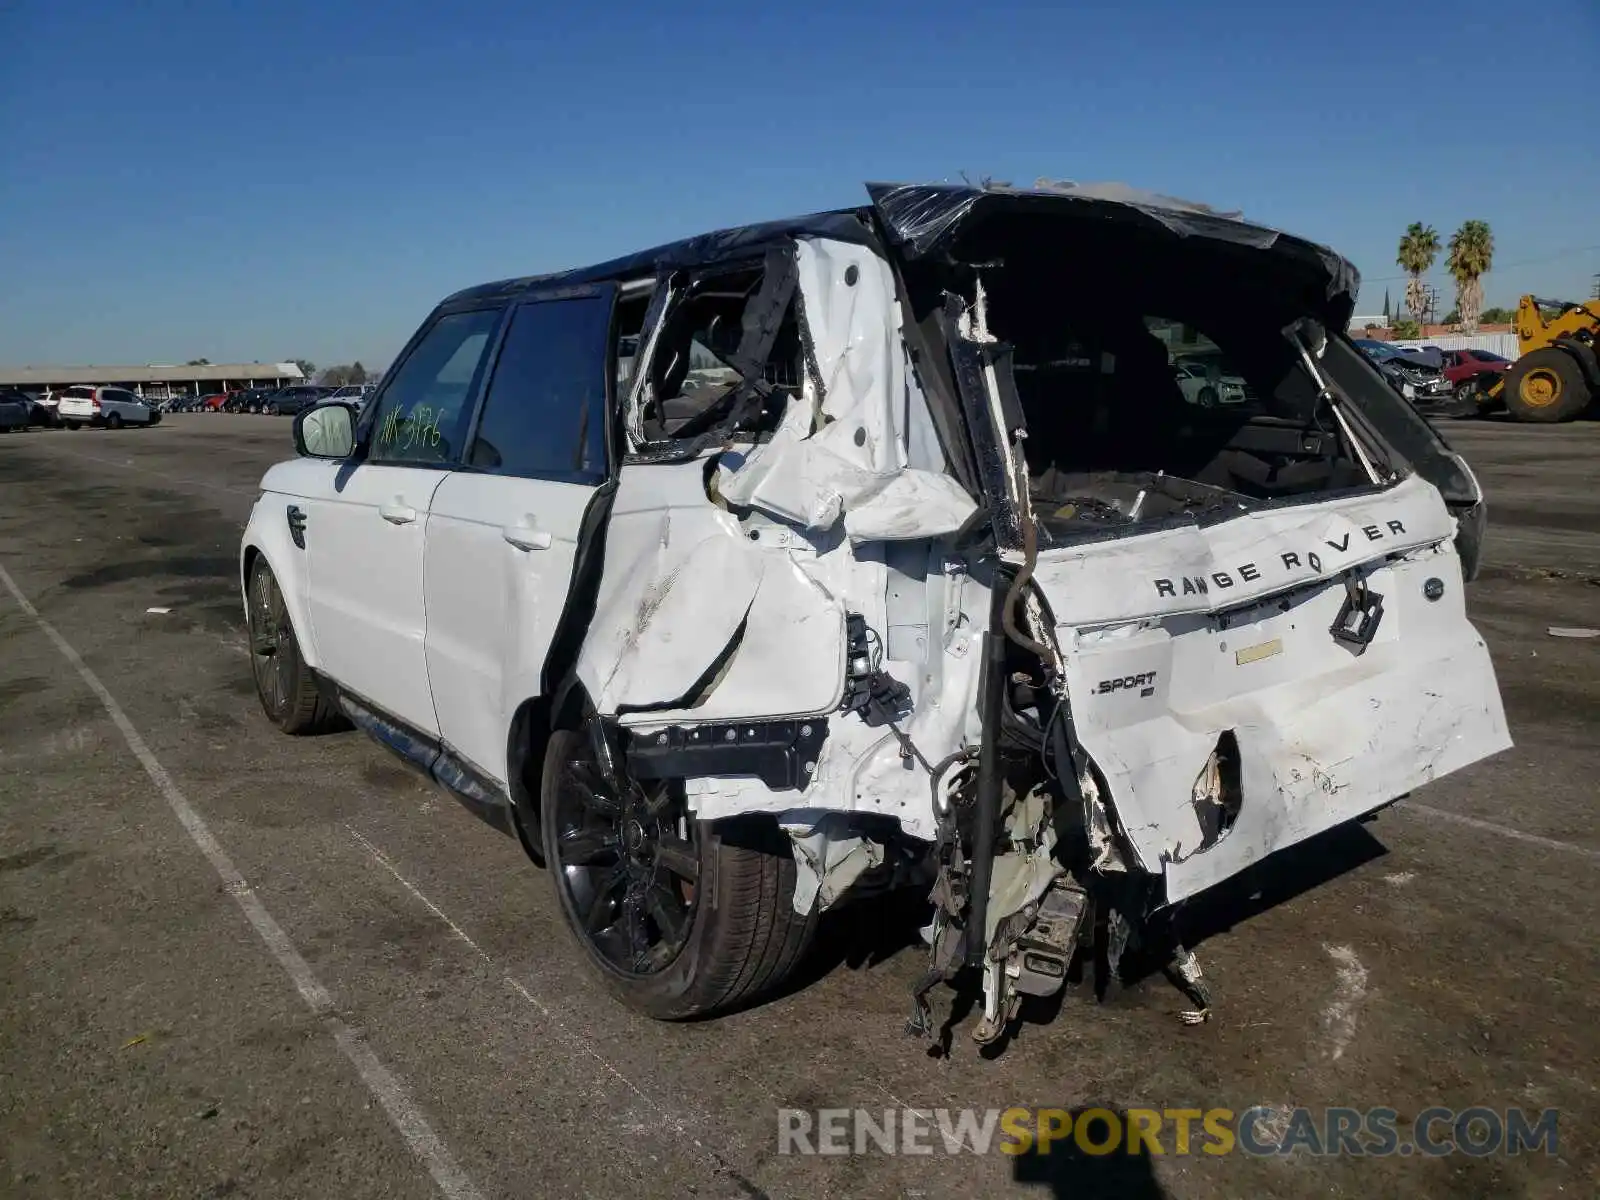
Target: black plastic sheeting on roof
{"points": [[921, 219], [707, 249]]}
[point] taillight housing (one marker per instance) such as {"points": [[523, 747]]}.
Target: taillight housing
{"points": [[94, 402]]}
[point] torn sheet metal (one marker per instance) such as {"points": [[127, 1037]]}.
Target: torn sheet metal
{"points": [[1024, 873], [676, 614], [1324, 732], [689, 601], [678, 583], [829, 857], [787, 659], [865, 770], [841, 450]]}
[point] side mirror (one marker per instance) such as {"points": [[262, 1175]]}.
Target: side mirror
{"points": [[326, 431]]}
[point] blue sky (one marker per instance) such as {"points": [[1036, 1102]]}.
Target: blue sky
{"points": [[267, 179]]}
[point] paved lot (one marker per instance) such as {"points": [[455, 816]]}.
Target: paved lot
{"points": [[154, 1043]]}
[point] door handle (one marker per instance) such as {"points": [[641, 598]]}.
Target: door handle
{"points": [[525, 536], [397, 513]]}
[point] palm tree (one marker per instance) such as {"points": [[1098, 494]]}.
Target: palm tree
{"points": [[1418, 248], [1471, 253]]}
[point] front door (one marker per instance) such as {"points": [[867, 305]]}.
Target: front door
{"points": [[503, 532], [365, 536]]}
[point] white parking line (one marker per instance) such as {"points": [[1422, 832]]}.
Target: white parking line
{"points": [[385, 1086], [581, 1044], [1505, 831]]}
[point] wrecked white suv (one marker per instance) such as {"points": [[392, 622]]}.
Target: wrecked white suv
{"points": [[759, 572]]}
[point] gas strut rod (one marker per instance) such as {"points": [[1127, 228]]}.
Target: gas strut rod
{"points": [[988, 799]]}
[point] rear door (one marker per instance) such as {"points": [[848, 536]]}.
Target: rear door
{"points": [[128, 406], [77, 403], [503, 530], [364, 530]]}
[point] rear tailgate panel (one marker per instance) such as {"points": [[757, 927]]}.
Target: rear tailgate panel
{"points": [[1324, 733]]}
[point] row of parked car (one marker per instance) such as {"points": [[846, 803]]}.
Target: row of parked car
{"points": [[114, 407], [1425, 374], [75, 407], [282, 402]]}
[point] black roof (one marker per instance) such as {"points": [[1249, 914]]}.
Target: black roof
{"points": [[844, 225], [925, 219]]}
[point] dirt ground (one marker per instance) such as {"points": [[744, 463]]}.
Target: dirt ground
{"points": [[420, 1023]]}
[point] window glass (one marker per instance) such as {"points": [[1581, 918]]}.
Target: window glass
{"points": [[544, 414], [1203, 373], [422, 416]]}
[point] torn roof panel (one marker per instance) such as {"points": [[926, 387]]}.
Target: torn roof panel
{"points": [[922, 219]]}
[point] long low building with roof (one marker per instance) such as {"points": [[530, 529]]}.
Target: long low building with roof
{"points": [[158, 381]]}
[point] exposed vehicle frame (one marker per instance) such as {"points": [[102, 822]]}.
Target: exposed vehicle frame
{"points": [[840, 621]]}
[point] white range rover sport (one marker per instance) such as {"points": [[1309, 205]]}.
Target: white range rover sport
{"points": [[762, 572]]}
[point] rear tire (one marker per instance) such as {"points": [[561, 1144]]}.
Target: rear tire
{"points": [[72, 424], [679, 918], [1546, 386], [284, 684], [114, 421]]}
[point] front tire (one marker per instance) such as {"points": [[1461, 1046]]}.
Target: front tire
{"points": [[284, 684], [1207, 397], [678, 917], [1546, 386]]}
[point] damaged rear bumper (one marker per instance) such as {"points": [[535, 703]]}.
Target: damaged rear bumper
{"points": [[1236, 657]]}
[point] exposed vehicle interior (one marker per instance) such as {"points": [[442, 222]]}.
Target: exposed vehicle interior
{"points": [[1095, 318], [692, 373]]}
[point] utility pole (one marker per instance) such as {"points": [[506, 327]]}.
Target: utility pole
{"points": [[1430, 304]]}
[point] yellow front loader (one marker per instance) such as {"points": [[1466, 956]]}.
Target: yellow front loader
{"points": [[1558, 372]]}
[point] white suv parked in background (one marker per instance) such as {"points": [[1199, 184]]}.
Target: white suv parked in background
{"points": [[353, 394], [108, 406], [754, 574]]}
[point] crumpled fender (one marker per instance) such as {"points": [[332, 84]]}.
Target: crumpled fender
{"points": [[670, 612]]}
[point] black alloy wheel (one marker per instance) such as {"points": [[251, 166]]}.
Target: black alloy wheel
{"points": [[270, 635], [626, 858], [285, 685]]}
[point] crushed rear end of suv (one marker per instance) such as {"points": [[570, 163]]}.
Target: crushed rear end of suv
{"points": [[760, 573]]}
